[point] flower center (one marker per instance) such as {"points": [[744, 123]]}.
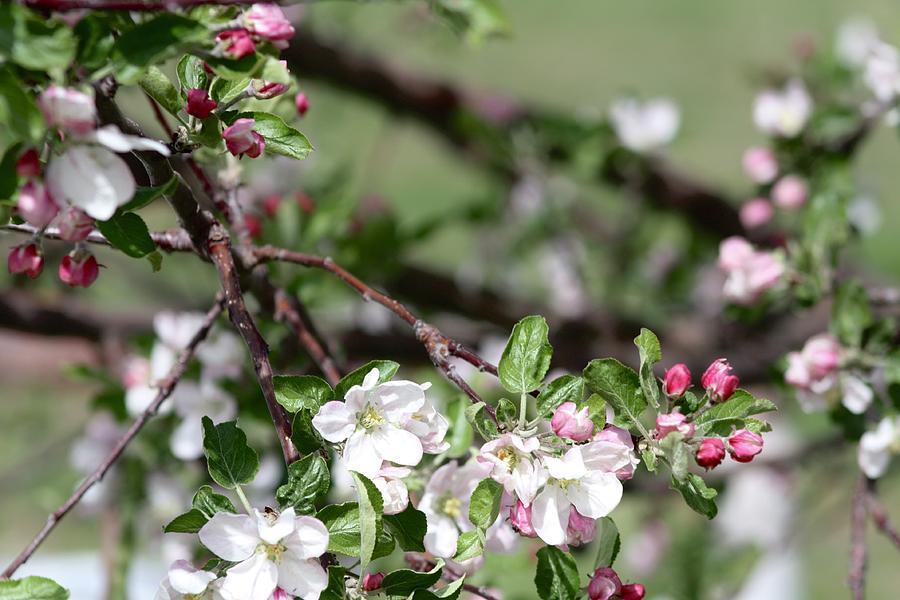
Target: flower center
{"points": [[508, 456], [565, 483], [370, 418], [450, 506], [273, 551]]}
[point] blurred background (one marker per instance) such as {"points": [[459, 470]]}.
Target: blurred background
{"points": [[391, 199]]}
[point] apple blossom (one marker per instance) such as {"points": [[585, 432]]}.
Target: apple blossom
{"points": [[785, 112], [222, 355], [25, 258], [756, 212], [604, 585], [270, 205], [510, 461], [271, 550], [750, 272], [572, 484], [813, 368], [372, 422], [744, 445], [734, 252], [520, 519], [174, 331], [677, 380], [91, 178], [280, 594], [389, 481], [266, 90], [790, 192], [236, 43], [718, 381], [446, 504], [240, 139], [667, 423], [78, 269], [186, 582], [372, 581], [856, 396], [644, 126], [570, 423], [854, 42], [612, 446], [68, 109], [29, 164], [199, 104], [710, 453], [876, 447], [267, 21], [301, 103], [74, 224], [580, 529], [882, 71], [760, 164], [430, 427], [35, 204]]}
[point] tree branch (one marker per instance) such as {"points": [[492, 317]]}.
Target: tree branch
{"points": [[856, 578], [166, 387], [882, 520]]}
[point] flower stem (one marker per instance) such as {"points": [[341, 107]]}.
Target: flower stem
{"points": [[523, 407], [243, 499]]}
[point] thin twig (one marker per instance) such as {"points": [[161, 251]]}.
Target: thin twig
{"points": [[165, 389], [172, 240], [856, 577], [288, 310], [882, 520]]}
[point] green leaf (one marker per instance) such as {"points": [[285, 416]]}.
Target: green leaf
{"points": [[9, 179], [469, 545], [676, 454], [697, 495], [210, 134], [474, 19], [303, 434], [189, 522], [721, 419], [342, 522], [597, 410], [565, 388], [32, 588], [155, 260], [451, 592], [128, 232], [209, 503], [280, 137], [95, 41], [18, 110], [408, 528], [620, 387], [649, 459], [158, 87], [610, 543], [336, 587], [295, 392], [507, 411], [651, 353], [851, 314], [386, 370], [231, 462], [371, 508], [35, 42], [154, 40], [484, 505], [308, 483], [478, 415], [527, 355], [556, 577], [404, 582], [191, 74], [145, 195]]}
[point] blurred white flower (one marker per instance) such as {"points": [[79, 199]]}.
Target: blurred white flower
{"points": [[756, 508], [783, 112], [864, 214], [186, 582], [645, 126], [855, 40], [92, 178], [882, 71], [876, 447], [192, 402]]}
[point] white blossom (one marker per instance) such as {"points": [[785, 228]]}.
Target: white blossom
{"points": [[91, 178], [186, 582], [882, 71], [511, 463], [191, 402], [784, 112], [644, 126], [855, 40], [876, 447]]}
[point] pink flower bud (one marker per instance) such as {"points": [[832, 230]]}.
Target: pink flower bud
{"points": [[372, 581], [236, 43], [604, 584], [270, 204], [265, 90], [68, 109], [199, 104], [29, 164], [78, 271], [756, 212], [268, 22], [718, 381], [302, 103], [520, 519], [760, 164], [580, 530], [253, 225], [25, 258], [667, 423], [710, 453], [568, 422], [745, 445], [677, 380], [74, 224], [734, 253], [790, 192], [241, 139], [35, 204], [632, 591]]}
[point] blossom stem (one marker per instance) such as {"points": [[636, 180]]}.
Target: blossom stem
{"points": [[243, 498], [523, 407]]}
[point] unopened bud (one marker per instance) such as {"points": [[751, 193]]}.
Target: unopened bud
{"points": [[520, 519], [760, 164], [29, 164], [710, 453], [745, 445], [632, 591], [199, 104], [35, 204], [604, 584], [677, 380], [580, 530], [25, 258], [667, 423], [571, 423], [302, 103], [718, 381], [372, 581], [78, 271]]}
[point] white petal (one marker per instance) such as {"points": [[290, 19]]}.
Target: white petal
{"points": [[398, 400], [165, 591], [161, 360], [527, 478], [113, 138], [570, 467], [186, 579], [371, 379], [310, 538], [335, 421], [393, 493], [91, 178], [441, 536], [303, 578], [361, 456], [139, 397], [857, 395], [397, 445], [186, 442], [229, 536], [596, 494], [254, 579], [550, 515], [281, 528]]}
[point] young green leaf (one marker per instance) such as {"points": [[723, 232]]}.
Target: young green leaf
{"points": [[308, 483], [158, 87], [620, 387], [303, 434], [295, 392], [128, 232], [280, 137], [507, 411], [209, 503], [676, 454], [145, 195], [18, 109], [404, 582], [851, 314], [32, 588], [337, 589], [9, 179], [408, 528], [651, 353], [386, 370], [697, 495], [477, 414], [460, 434], [451, 592], [469, 545], [608, 548], [152, 41], [565, 388], [189, 522], [371, 508], [191, 74], [343, 522], [556, 577], [231, 462], [527, 355], [597, 410], [484, 506], [723, 418]]}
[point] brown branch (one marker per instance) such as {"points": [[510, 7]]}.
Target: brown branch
{"points": [[856, 577], [173, 240], [166, 387], [288, 309], [882, 520]]}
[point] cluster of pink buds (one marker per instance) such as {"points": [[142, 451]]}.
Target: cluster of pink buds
{"points": [[788, 192], [606, 585], [743, 445], [261, 23]]}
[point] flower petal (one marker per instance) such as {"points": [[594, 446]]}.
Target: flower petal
{"points": [[113, 138], [441, 536], [596, 494], [186, 579], [229, 536], [254, 579], [309, 540], [281, 528], [303, 578], [186, 442], [360, 455], [91, 178], [550, 515], [399, 400], [397, 445], [335, 421]]}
